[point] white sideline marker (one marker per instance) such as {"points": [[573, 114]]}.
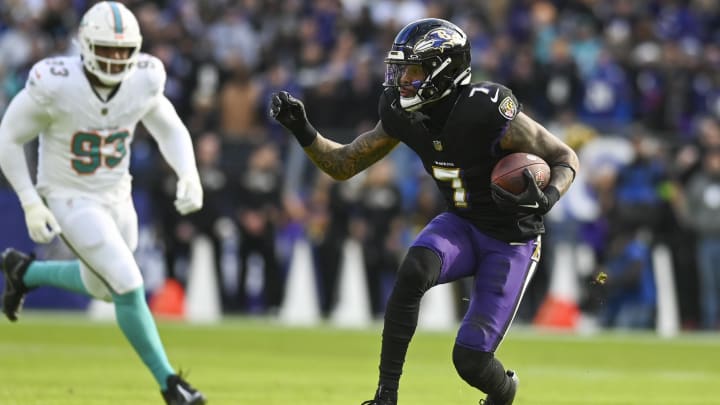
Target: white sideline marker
{"points": [[300, 306], [353, 306], [667, 322], [437, 310], [202, 300]]}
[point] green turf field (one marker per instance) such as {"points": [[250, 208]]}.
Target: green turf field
{"points": [[49, 359]]}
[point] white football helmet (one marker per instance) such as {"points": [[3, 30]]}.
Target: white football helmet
{"points": [[109, 23]]}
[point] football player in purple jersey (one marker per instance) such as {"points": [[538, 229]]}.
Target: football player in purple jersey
{"points": [[459, 130]]}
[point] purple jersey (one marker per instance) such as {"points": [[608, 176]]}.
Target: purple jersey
{"points": [[457, 139]]}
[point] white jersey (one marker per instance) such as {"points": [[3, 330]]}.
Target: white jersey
{"points": [[86, 148]]}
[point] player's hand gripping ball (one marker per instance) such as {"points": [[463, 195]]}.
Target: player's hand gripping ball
{"points": [[508, 172], [517, 184]]}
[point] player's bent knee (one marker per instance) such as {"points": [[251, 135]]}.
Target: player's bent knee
{"points": [[473, 366], [119, 276], [130, 286], [420, 269], [95, 286], [135, 296]]}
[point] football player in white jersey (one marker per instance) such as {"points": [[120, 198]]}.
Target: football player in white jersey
{"points": [[84, 110]]}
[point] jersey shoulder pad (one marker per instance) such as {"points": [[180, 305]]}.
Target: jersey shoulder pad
{"points": [[47, 77], [151, 73], [496, 98]]}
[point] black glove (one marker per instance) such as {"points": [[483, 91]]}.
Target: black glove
{"points": [[290, 113], [531, 201]]}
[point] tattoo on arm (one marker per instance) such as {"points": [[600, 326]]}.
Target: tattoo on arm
{"points": [[344, 161], [526, 135]]}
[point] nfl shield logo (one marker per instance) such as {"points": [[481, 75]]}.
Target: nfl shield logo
{"points": [[437, 145]]}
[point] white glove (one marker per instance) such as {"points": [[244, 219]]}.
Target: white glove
{"points": [[41, 223], [189, 195]]}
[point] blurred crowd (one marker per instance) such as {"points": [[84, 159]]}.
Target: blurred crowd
{"points": [[633, 86]]}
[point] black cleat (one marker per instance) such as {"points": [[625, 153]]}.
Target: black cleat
{"points": [[179, 392], [513, 390], [14, 265], [383, 397], [379, 401]]}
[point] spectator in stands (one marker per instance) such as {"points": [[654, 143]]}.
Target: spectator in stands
{"points": [[178, 232], [277, 77], [238, 100], [688, 158], [175, 231], [703, 214], [257, 203], [606, 104], [380, 212], [637, 198], [629, 289], [562, 89], [360, 91], [335, 205], [216, 208]]}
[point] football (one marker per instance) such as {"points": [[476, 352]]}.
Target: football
{"points": [[508, 172]]}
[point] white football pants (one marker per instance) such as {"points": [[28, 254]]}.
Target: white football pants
{"points": [[103, 236]]}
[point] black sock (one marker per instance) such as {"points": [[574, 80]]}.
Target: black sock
{"points": [[484, 372], [387, 393], [418, 272]]}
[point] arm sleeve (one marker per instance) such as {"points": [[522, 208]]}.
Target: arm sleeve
{"points": [[23, 122], [172, 137]]}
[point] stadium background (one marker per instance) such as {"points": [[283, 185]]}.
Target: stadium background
{"points": [[634, 87]]}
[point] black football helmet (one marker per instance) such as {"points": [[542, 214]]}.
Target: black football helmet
{"points": [[443, 51]]}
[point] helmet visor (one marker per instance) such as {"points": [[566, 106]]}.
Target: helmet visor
{"points": [[407, 77]]}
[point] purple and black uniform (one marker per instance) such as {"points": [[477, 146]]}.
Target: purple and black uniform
{"points": [[457, 139]]}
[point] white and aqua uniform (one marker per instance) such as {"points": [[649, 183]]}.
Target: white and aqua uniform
{"points": [[84, 157], [84, 134]]}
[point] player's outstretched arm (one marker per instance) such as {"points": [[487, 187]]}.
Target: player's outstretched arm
{"points": [[344, 161], [339, 161], [526, 135], [23, 121], [175, 144]]}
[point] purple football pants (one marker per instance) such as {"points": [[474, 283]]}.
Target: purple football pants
{"points": [[502, 272]]}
